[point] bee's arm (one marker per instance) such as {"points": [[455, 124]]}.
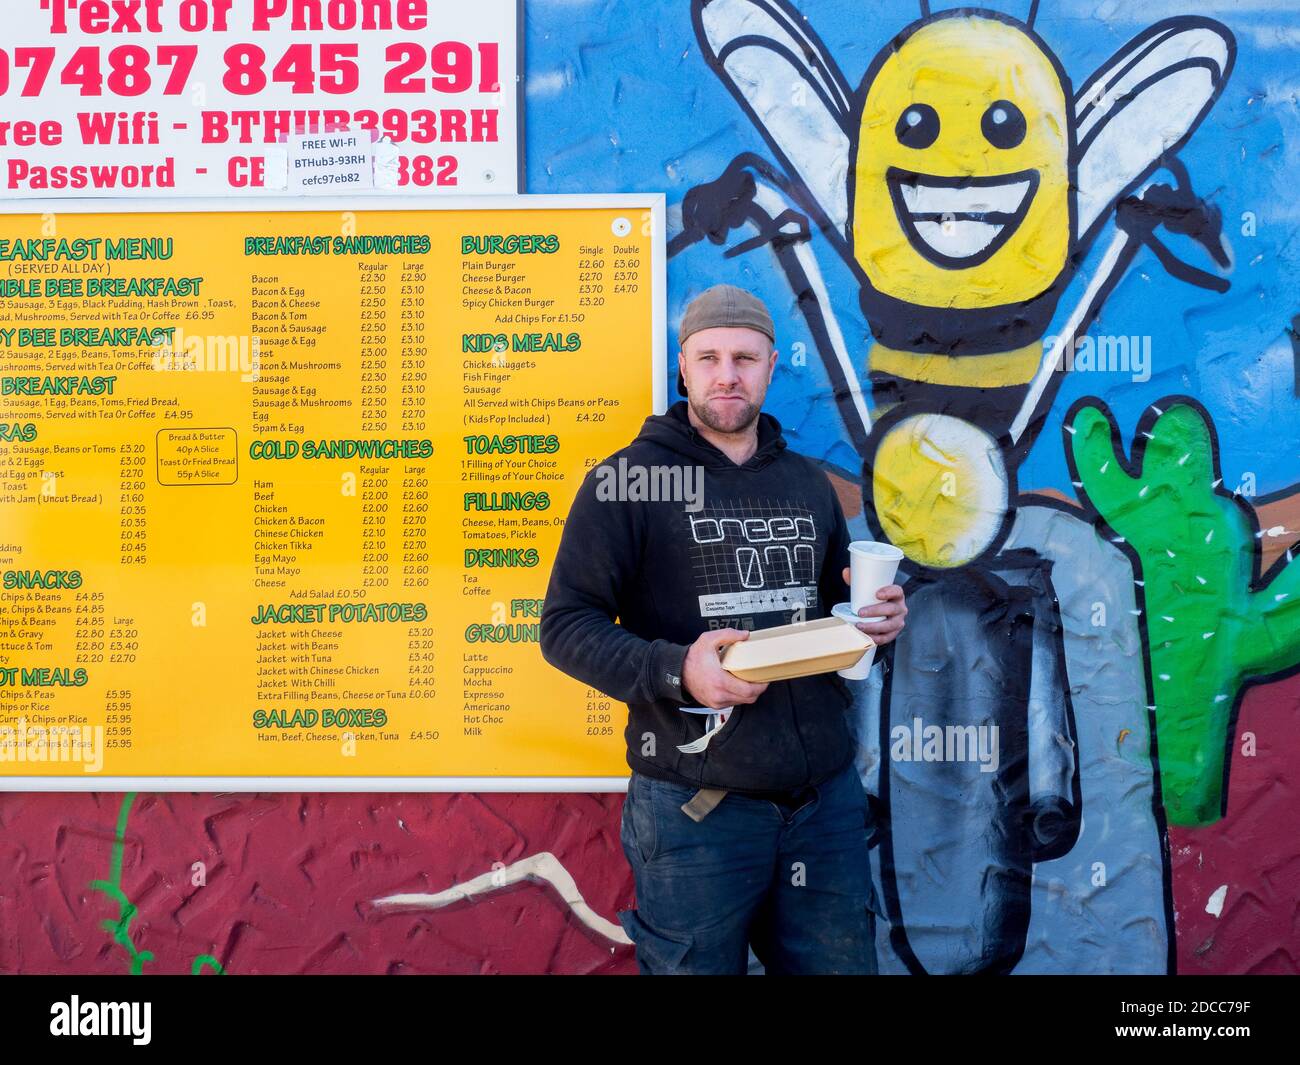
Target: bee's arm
{"points": [[1179, 210]]}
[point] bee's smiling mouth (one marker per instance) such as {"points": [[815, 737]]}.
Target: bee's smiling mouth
{"points": [[957, 222]]}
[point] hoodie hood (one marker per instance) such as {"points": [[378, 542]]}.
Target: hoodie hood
{"points": [[674, 431]]}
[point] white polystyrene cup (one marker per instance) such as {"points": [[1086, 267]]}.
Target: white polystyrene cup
{"points": [[872, 565], [860, 669]]}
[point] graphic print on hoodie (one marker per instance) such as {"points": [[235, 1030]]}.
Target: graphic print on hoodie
{"points": [[753, 557], [764, 544]]}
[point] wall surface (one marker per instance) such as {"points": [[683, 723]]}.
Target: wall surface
{"points": [[1099, 555]]}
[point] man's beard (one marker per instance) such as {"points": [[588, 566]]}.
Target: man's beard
{"points": [[738, 420]]}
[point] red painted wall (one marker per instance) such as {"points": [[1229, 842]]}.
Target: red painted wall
{"points": [[290, 878], [1252, 850]]}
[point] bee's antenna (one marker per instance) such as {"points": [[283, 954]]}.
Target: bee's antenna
{"points": [[1033, 13], [925, 8]]}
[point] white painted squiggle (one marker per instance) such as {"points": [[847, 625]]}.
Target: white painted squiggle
{"points": [[1052, 356], [772, 201], [543, 867]]}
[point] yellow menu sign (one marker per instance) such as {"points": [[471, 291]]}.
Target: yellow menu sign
{"points": [[280, 489]]}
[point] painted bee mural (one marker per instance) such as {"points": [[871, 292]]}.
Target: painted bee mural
{"points": [[965, 185]]}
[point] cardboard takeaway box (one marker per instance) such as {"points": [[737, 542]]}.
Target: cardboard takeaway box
{"points": [[800, 650]]}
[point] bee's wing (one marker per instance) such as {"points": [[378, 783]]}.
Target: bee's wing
{"points": [[779, 72], [1145, 101]]}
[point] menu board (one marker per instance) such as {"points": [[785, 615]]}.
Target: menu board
{"points": [[280, 489]]}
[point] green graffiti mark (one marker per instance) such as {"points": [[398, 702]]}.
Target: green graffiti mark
{"points": [[120, 929], [1211, 624], [112, 887]]}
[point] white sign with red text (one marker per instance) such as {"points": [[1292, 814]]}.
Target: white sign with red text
{"points": [[207, 97]]}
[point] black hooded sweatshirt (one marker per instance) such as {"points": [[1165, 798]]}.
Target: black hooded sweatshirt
{"points": [[767, 547]]}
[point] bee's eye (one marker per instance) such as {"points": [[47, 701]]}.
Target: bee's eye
{"points": [[1003, 124], [918, 126]]}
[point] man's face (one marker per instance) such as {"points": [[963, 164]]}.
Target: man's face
{"points": [[727, 371]]}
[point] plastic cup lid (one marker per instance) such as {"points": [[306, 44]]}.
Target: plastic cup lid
{"points": [[876, 549], [845, 612]]}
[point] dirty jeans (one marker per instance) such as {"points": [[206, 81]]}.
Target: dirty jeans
{"points": [[795, 884]]}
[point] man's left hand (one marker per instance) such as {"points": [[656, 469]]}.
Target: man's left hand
{"points": [[891, 609]]}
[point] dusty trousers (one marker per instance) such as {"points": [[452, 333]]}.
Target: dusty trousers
{"points": [[792, 880]]}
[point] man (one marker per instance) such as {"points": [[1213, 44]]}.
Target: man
{"points": [[754, 834]]}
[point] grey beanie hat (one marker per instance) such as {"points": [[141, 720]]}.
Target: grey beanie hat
{"points": [[724, 306]]}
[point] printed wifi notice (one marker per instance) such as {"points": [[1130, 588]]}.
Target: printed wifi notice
{"points": [[146, 98]]}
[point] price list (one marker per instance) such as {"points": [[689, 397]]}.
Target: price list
{"points": [[281, 489]]}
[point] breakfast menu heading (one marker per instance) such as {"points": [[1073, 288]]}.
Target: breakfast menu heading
{"points": [[280, 490]]}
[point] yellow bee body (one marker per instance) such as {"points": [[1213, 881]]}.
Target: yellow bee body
{"points": [[963, 222]]}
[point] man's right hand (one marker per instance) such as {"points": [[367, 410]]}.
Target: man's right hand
{"points": [[706, 680]]}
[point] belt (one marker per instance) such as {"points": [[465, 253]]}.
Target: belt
{"points": [[703, 803]]}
